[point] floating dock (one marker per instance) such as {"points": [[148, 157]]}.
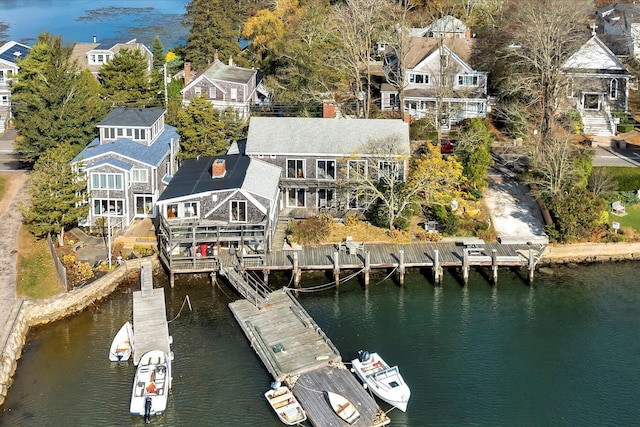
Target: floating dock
{"points": [[150, 327], [297, 352]]}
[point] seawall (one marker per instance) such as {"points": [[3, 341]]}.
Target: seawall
{"points": [[587, 253], [26, 314]]}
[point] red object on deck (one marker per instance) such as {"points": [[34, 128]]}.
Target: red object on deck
{"points": [[203, 249]]}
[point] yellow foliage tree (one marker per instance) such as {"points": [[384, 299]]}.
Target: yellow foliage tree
{"points": [[438, 179]]}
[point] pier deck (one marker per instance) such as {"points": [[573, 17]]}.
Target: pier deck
{"points": [[150, 328], [296, 351]]}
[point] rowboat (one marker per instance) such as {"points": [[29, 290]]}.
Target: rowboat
{"points": [[285, 405], [122, 344], [384, 381], [342, 407], [151, 385]]}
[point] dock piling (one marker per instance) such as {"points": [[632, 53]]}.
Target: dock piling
{"points": [[465, 266], [532, 265], [437, 270], [367, 267], [296, 270], [401, 267], [336, 267], [494, 265]]}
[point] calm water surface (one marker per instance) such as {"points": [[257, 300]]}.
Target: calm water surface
{"points": [[564, 352], [79, 20]]}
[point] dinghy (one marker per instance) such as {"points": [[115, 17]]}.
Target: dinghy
{"points": [[285, 405], [122, 344], [384, 381], [151, 385], [342, 407]]}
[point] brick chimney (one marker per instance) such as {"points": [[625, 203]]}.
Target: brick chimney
{"points": [[187, 73], [328, 110], [218, 169], [406, 117]]}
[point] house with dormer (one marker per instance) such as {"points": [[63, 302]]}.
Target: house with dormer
{"points": [[217, 203], [10, 53], [438, 81], [620, 26], [597, 84], [323, 158], [226, 86], [92, 56], [128, 165]]}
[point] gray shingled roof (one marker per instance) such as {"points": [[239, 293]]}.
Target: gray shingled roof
{"points": [[228, 73], [194, 177], [320, 136], [132, 117]]}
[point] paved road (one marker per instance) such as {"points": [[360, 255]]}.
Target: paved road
{"points": [[9, 161]]}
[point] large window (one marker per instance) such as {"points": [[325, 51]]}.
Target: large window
{"points": [[613, 89], [144, 205], [296, 198], [419, 78], [325, 198], [139, 175], [326, 169], [357, 169], [388, 169], [238, 211], [108, 207], [466, 80], [212, 92], [106, 181], [295, 168], [190, 209], [183, 210]]}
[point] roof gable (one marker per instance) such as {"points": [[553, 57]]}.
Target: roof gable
{"points": [[594, 55], [424, 50]]}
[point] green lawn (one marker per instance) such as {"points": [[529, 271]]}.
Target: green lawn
{"points": [[37, 277], [631, 219]]}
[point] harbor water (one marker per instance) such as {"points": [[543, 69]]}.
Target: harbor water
{"points": [[563, 352]]}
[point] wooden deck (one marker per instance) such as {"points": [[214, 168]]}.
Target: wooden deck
{"points": [[296, 351], [150, 328]]}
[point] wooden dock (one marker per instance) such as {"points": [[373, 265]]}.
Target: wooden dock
{"points": [[296, 351], [150, 328]]}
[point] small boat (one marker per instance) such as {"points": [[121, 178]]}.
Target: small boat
{"points": [[341, 406], [285, 405], [384, 381], [122, 344], [151, 385]]}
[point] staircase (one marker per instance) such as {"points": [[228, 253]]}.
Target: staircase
{"points": [[597, 123], [281, 232]]}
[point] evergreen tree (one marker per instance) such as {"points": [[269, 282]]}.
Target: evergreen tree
{"points": [[57, 192], [201, 131], [53, 101], [211, 29], [125, 81], [157, 72]]}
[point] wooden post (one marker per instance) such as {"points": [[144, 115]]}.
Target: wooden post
{"points": [[367, 267], [172, 278], [532, 265], [437, 274], [265, 276], [336, 267], [213, 278], [296, 270], [401, 268], [494, 265], [465, 266]]}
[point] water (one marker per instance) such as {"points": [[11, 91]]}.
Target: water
{"points": [[562, 353], [79, 20]]}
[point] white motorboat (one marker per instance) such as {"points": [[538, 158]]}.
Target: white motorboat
{"points": [[122, 344], [384, 381], [285, 405], [151, 385], [341, 406]]}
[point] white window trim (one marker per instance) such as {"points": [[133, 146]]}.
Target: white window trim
{"points": [[366, 168], [107, 187], [231, 203], [139, 171], [115, 202], [613, 89], [304, 168], [327, 178]]}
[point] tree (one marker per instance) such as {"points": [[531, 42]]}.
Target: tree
{"points": [[537, 43], [57, 198], [212, 29], [125, 80], [437, 180], [474, 152], [577, 215], [201, 131], [53, 101], [158, 69], [553, 164], [360, 24]]}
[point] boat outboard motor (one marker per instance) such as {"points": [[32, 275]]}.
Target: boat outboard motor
{"points": [[363, 356], [147, 410]]}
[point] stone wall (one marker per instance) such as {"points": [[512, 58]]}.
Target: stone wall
{"points": [[27, 314]]}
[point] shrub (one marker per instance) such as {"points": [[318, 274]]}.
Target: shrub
{"points": [[351, 219], [625, 127], [312, 230]]}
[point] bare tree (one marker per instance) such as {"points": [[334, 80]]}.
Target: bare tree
{"points": [[553, 164], [542, 35], [360, 23]]}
